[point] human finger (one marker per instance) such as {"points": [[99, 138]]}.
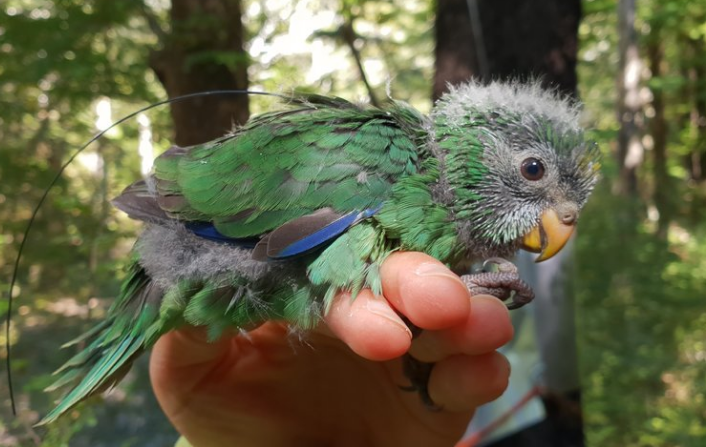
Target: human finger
{"points": [[462, 382], [424, 290], [487, 328], [369, 326]]}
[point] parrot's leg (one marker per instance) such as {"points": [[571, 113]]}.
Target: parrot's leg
{"points": [[418, 372], [503, 284]]}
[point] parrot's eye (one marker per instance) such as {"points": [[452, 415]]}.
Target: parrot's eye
{"points": [[532, 169]]}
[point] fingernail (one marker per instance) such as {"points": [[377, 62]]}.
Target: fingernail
{"points": [[380, 307], [427, 269]]}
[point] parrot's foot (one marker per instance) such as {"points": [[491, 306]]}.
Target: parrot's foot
{"points": [[505, 283], [418, 373]]}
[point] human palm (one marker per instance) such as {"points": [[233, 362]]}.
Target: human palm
{"points": [[341, 384]]}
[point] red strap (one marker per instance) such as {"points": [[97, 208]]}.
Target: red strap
{"points": [[475, 438]]}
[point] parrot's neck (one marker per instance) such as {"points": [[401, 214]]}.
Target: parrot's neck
{"points": [[459, 151]]}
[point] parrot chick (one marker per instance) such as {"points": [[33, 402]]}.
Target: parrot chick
{"points": [[271, 221]]}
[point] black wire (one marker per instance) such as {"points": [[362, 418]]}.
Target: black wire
{"points": [[56, 179], [478, 40]]}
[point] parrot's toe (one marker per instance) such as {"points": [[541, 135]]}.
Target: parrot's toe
{"points": [[523, 295], [502, 264], [504, 284], [418, 373]]}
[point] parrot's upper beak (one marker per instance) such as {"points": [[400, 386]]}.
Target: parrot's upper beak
{"points": [[549, 236]]}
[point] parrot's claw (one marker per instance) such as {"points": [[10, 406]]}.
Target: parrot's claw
{"points": [[505, 283], [503, 265], [418, 373]]}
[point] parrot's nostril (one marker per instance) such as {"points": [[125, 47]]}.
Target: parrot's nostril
{"points": [[568, 218], [567, 212]]}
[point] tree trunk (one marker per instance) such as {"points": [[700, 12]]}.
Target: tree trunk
{"points": [[455, 58], [630, 150], [697, 116], [519, 39], [662, 191], [204, 51]]}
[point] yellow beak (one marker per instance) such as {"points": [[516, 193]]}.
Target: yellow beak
{"points": [[548, 237]]}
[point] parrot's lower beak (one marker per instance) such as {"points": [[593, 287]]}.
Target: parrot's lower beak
{"points": [[548, 237]]}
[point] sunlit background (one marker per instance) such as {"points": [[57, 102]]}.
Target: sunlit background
{"points": [[69, 68]]}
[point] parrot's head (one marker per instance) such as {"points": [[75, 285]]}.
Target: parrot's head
{"points": [[516, 162]]}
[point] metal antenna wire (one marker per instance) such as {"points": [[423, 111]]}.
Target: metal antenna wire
{"points": [[478, 40], [8, 316]]}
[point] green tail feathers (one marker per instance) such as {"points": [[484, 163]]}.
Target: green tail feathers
{"points": [[113, 344], [144, 311]]}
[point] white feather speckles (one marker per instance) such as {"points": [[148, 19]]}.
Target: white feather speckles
{"points": [[521, 98]]}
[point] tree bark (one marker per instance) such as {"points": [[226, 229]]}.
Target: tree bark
{"points": [[203, 52], [697, 97], [662, 191], [455, 60], [520, 39], [630, 150]]}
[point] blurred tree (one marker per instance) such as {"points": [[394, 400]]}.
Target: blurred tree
{"points": [[58, 60], [203, 51], [695, 71], [641, 272], [511, 38], [663, 190], [346, 33], [630, 149]]}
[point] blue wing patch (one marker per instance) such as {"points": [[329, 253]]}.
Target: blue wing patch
{"points": [[320, 237], [206, 230], [293, 238]]}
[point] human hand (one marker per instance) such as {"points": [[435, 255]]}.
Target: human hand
{"points": [[340, 385]]}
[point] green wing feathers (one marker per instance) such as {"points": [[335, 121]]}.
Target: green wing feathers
{"points": [[351, 262], [284, 165]]}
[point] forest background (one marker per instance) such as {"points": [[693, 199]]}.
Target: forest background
{"points": [[68, 67]]}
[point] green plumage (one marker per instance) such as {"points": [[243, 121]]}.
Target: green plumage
{"points": [[284, 165], [398, 179], [115, 342]]}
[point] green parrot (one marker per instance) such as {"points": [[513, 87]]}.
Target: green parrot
{"points": [[271, 221]]}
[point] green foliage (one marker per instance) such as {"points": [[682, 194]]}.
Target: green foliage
{"points": [[58, 59], [394, 39], [640, 315], [641, 292], [641, 306]]}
